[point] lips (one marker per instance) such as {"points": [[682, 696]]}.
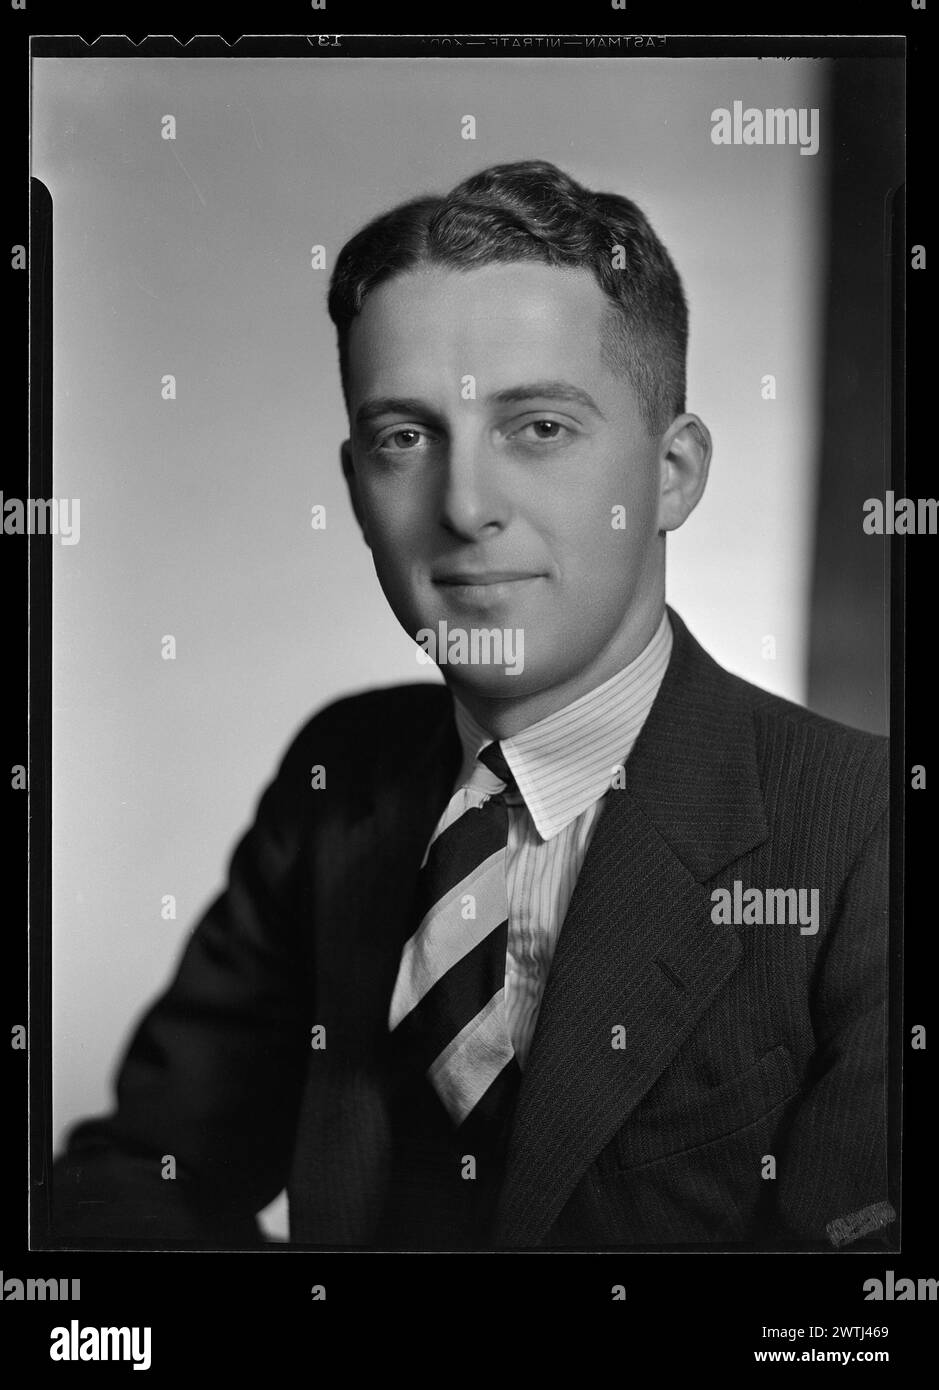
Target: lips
{"points": [[483, 578]]}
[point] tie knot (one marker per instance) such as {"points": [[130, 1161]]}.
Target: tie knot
{"points": [[493, 758]]}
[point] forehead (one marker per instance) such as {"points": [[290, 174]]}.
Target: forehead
{"points": [[520, 319]]}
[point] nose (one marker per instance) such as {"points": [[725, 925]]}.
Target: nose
{"points": [[472, 501]]}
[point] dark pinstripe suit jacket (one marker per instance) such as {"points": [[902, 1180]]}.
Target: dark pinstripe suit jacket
{"points": [[744, 1101]]}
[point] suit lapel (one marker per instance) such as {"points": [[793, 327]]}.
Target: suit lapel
{"points": [[366, 876], [373, 900], [638, 951]]}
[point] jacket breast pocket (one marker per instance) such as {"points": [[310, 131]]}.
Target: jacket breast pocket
{"points": [[680, 1116]]}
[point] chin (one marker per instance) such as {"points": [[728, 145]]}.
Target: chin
{"points": [[493, 683]]}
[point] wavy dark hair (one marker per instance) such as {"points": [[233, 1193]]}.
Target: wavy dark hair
{"points": [[532, 211]]}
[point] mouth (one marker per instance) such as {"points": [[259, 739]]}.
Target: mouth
{"points": [[464, 579], [485, 589]]}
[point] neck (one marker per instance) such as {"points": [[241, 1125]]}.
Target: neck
{"points": [[504, 717]]}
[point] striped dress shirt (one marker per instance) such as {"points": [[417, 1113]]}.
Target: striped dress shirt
{"points": [[563, 766]]}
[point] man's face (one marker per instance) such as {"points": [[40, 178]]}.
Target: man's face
{"points": [[493, 449]]}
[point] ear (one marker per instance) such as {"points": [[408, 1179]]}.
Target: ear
{"points": [[684, 459], [352, 483]]}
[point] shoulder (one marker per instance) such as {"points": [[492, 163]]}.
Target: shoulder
{"points": [[776, 717], [784, 726], [377, 714], [365, 730], [826, 768], [810, 769]]}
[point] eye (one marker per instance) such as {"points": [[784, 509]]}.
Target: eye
{"points": [[401, 439], [542, 431]]}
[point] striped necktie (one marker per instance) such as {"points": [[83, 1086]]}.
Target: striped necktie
{"points": [[448, 1006]]}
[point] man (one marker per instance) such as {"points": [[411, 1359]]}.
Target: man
{"points": [[587, 946]]}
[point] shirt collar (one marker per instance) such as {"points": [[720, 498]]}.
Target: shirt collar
{"points": [[566, 761]]}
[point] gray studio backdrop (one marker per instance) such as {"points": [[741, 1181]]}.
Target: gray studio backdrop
{"points": [[192, 258]]}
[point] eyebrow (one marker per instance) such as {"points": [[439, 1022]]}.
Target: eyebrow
{"points": [[546, 390], [391, 405], [512, 395]]}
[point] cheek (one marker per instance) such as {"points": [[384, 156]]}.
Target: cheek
{"points": [[624, 485], [394, 522], [631, 519], [603, 539]]}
